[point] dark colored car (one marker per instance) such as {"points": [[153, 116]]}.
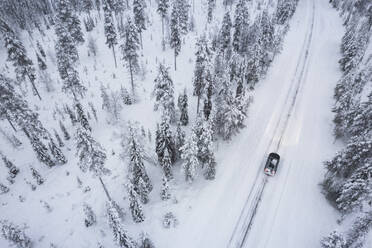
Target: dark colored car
{"points": [[272, 164]]}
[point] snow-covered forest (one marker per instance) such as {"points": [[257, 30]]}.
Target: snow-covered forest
{"points": [[147, 123]]}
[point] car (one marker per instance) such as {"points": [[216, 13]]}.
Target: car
{"points": [[272, 164]]}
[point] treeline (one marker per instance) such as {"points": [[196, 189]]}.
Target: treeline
{"points": [[347, 183]]}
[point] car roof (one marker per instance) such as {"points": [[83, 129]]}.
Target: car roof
{"points": [[274, 155]]}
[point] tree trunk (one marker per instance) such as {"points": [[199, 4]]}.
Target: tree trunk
{"points": [[105, 189], [131, 75], [175, 60], [34, 87], [11, 124], [113, 51], [197, 106]]}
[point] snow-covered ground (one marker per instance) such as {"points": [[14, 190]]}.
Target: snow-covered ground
{"points": [[291, 114]]}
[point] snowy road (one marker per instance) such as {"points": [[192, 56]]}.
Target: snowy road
{"points": [[290, 115]]}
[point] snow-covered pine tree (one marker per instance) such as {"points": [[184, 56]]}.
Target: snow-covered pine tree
{"points": [[183, 11], [110, 31], [175, 33], [164, 193], [137, 172], [202, 71], [164, 92], [15, 234], [90, 217], [23, 65], [134, 205], [166, 164], [58, 138], [179, 139], [241, 20], [284, 11], [58, 155], [66, 51], [211, 7], [91, 155], [13, 170], [182, 105], [66, 135], [81, 116], [267, 40], [145, 241], [40, 149], [163, 6], [120, 235], [207, 109], [333, 240], [129, 48], [139, 7], [126, 98], [225, 32], [189, 153], [165, 141], [205, 150], [67, 16], [40, 62], [357, 234], [36, 175]]}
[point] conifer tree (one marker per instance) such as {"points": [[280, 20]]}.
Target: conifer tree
{"points": [[179, 140], [241, 20], [134, 205], [139, 16], [81, 117], [40, 149], [183, 13], [15, 235], [225, 33], [129, 48], [164, 92], [109, 28], [189, 153], [202, 71], [162, 9], [334, 240], [66, 135], [120, 235], [182, 105], [56, 152], [91, 155], [165, 194], [205, 150], [137, 172], [175, 33], [90, 217], [36, 175], [211, 7], [58, 138], [208, 101], [68, 35], [165, 141], [23, 65], [166, 164]]}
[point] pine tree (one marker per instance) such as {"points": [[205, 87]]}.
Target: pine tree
{"points": [[208, 101], [90, 217], [36, 175], [183, 15], [40, 149], [202, 72], [56, 152], [164, 92], [81, 117], [182, 105], [189, 152], [164, 140], [137, 172], [68, 35], [145, 241], [139, 16], [15, 234], [241, 20], [58, 138], [359, 230], [109, 28], [17, 55], [129, 48], [134, 205], [165, 194], [205, 150], [91, 155], [175, 33], [126, 98], [162, 9], [66, 15], [120, 235], [225, 33], [211, 7], [179, 140], [66, 135], [13, 170], [334, 240], [41, 63], [166, 164]]}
